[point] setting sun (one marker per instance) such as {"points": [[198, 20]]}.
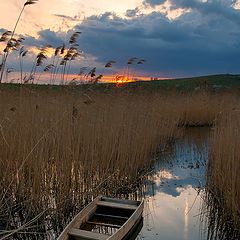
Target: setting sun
{"points": [[122, 79]]}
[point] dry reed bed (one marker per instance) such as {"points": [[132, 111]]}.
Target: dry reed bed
{"points": [[60, 148], [223, 174]]}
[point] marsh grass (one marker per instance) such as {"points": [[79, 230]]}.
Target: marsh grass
{"points": [[223, 192], [61, 148], [217, 217]]}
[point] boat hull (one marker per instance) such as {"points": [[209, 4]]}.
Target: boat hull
{"points": [[83, 226]]}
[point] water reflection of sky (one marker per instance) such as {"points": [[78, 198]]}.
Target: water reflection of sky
{"points": [[172, 200]]}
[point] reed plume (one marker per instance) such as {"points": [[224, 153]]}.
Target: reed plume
{"points": [[109, 64], [132, 60], [73, 38], [92, 72], [48, 67]]}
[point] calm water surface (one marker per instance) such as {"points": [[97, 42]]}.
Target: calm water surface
{"points": [[173, 202]]}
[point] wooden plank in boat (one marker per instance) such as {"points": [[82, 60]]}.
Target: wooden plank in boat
{"points": [[104, 224], [78, 234], [110, 216], [117, 205]]}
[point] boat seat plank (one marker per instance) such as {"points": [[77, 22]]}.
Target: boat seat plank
{"points": [[104, 224], [110, 216], [78, 234], [116, 205]]}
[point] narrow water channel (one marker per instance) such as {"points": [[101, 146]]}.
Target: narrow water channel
{"points": [[172, 199]]}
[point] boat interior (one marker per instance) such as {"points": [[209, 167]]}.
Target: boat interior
{"points": [[109, 216]]}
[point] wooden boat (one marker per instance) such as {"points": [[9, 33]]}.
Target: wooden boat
{"points": [[104, 219]]}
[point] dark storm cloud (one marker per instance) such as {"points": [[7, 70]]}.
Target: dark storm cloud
{"points": [[189, 45], [202, 41], [153, 3], [221, 8], [46, 37], [2, 30], [132, 12]]}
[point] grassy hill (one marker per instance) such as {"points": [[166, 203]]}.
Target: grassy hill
{"points": [[211, 81]]}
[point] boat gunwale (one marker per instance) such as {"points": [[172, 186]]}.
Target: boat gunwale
{"points": [[72, 223], [121, 201], [135, 213]]}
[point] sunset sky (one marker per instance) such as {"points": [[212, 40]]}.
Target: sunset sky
{"points": [[178, 38]]}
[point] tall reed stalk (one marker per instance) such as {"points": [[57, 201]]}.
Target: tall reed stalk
{"points": [[6, 53]]}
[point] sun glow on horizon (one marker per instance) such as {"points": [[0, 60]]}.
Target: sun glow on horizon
{"points": [[72, 79], [125, 79]]}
